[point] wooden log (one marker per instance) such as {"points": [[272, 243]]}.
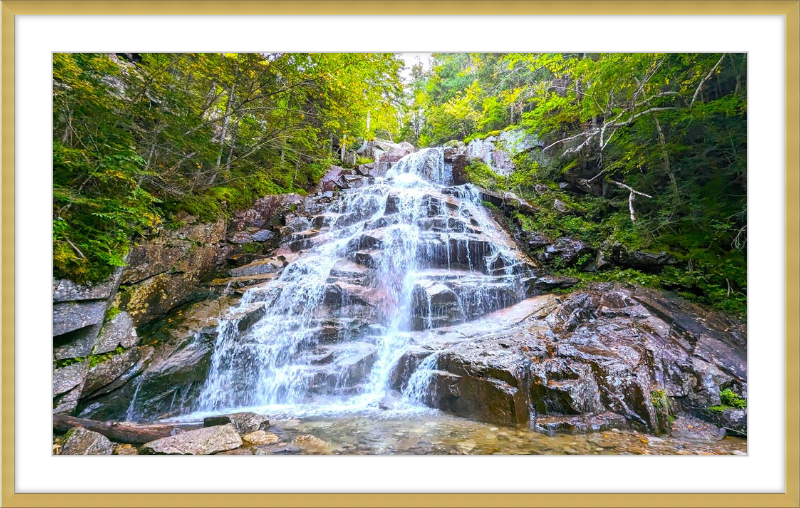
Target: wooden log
{"points": [[124, 432]]}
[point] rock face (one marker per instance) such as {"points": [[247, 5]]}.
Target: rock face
{"points": [[67, 386], [244, 423], [78, 312], [196, 442], [165, 378], [119, 331], [638, 354], [85, 442], [497, 151]]}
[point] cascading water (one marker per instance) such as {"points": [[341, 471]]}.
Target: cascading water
{"points": [[377, 265]]}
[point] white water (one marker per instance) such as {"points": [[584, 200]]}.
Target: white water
{"points": [[283, 361]]}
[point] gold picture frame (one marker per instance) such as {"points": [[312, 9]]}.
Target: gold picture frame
{"points": [[789, 9]]}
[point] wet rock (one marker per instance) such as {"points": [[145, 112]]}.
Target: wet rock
{"points": [[172, 379], [311, 444], [260, 437], [263, 266], [605, 350], [204, 441], [119, 331], [382, 151], [80, 441], [340, 294], [583, 424], [694, 429], [733, 421], [115, 371], [244, 423], [350, 272], [641, 260], [368, 258], [277, 449], [538, 285]]}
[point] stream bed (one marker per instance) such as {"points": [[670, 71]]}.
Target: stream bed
{"points": [[418, 431]]}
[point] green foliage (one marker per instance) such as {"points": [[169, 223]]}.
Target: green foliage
{"points": [[732, 399], [658, 398], [672, 126], [135, 141]]}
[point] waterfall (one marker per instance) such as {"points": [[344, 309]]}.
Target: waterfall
{"points": [[377, 266]]}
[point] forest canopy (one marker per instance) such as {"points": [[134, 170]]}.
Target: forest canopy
{"points": [[653, 146]]}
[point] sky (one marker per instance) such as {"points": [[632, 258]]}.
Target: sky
{"points": [[412, 59]]}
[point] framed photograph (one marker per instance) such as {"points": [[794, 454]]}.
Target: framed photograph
{"points": [[400, 253]]}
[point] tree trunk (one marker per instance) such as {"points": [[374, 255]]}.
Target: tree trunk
{"points": [[125, 432], [665, 155]]}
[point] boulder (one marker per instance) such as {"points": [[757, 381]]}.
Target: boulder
{"points": [[125, 449], [566, 252], [80, 441], [733, 421], [639, 354], [260, 437], [561, 207], [118, 331], [244, 423], [535, 240], [641, 260], [204, 441], [311, 444]]}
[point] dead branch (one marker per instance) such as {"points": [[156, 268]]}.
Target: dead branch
{"points": [[631, 197], [703, 82]]}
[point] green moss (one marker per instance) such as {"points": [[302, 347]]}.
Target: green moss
{"points": [[65, 362], [111, 313], [95, 360], [480, 174], [732, 399], [717, 409]]}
